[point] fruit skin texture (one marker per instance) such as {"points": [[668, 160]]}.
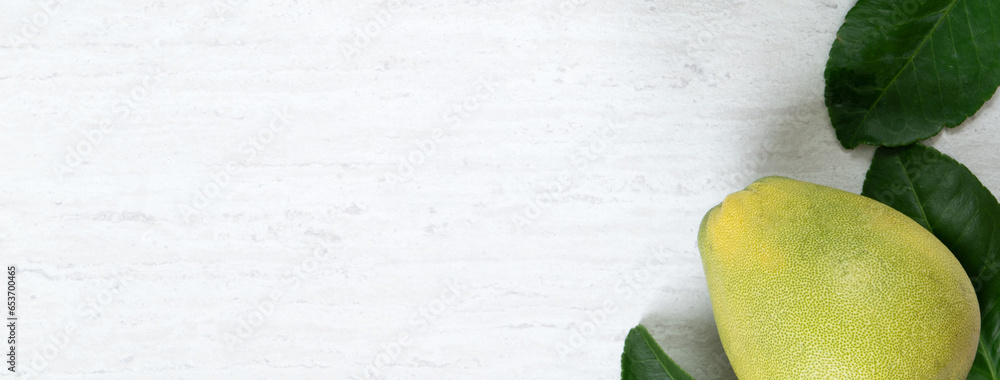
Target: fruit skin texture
{"points": [[811, 282]]}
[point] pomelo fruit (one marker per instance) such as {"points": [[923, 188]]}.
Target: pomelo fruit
{"points": [[811, 282]]}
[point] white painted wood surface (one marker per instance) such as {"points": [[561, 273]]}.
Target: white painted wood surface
{"points": [[468, 189]]}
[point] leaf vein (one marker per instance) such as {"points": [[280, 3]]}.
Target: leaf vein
{"points": [[913, 190], [909, 61]]}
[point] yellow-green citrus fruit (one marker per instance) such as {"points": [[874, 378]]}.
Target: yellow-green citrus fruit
{"points": [[811, 282]]}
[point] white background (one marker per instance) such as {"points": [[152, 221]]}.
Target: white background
{"points": [[478, 189]]}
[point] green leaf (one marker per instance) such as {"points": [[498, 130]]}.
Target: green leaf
{"points": [[900, 70], [988, 357], [947, 199], [643, 359]]}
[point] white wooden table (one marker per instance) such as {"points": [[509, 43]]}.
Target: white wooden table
{"points": [[470, 189]]}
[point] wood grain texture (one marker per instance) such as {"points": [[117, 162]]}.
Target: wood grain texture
{"points": [[412, 190]]}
